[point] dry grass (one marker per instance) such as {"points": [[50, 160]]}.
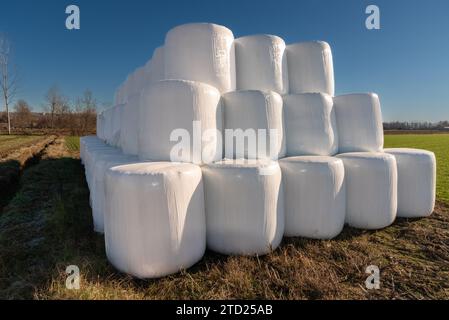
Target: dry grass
{"points": [[47, 227]]}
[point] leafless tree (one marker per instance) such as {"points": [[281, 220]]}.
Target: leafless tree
{"points": [[86, 109], [57, 104], [8, 77], [22, 113]]}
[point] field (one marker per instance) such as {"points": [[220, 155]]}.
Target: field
{"points": [[47, 226], [12, 142]]}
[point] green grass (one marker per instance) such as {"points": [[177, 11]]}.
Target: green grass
{"points": [[439, 144], [72, 143]]}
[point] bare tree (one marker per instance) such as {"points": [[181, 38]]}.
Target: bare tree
{"points": [[22, 113], [86, 109], [57, 104], [8, 78]]}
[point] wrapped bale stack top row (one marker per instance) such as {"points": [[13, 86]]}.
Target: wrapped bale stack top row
{"points": [[332, 168]]}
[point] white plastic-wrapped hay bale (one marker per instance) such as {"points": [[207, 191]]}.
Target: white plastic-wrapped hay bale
{"points": [[137, 82], [261, 63], [359, 123], [416, 181], [129, 126], [179, 120], [310, 124], [102, 164], [244, 206], [315, 196], [107, 129], [100, 125], [310, 67], [117, 115], [371, 189], [155, 68], [92, 157], [201, 52], [261, 113], [85, 143], [154, 222]]}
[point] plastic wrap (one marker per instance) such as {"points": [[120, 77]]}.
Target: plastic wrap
{"points": [[100, 125], [371, 189], [155, 68], [315, 196], [137, 82], [310, 123], [359, 122], [416, 181], [117, 115], [310, 67], [201, 52], [154, 221], [102, 164], [129, 126], [171, 105], [261, 63], [244, 206], [254, 110]]}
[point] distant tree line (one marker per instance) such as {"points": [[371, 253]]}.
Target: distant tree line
{"points": [[59, 114], [416, 125]]}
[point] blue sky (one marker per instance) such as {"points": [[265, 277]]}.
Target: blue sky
{"points": [[406, 62]]}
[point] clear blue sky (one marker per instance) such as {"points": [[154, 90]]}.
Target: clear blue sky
{"points": [[406, 62]]}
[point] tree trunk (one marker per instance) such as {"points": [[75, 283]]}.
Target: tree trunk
{"points": [[9, 118]]}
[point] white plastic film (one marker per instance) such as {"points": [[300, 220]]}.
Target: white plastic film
{"points": [[201, 52], [310, 124], [261, 63], [310, 67], [416, 181], [154, 221], [102, 164], [244, 206], [260, 112], [155, 68], [315, 196], [371, 189], [130, 126], [359, 122], [178, 121], [117, 115]]}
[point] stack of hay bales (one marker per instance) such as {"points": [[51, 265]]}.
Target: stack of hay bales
{"points": [[166, 180]]}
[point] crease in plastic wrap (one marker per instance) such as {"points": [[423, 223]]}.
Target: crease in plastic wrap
{"points": [[416, 181], [201, 52], [175, 111], [359, 123], [244, 206], [310, 67], [257, 111], [154, 222], [315, 196], [371, 189], [261, 63], [310, 123]]}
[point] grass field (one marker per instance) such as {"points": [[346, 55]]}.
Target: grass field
{"points": [[47, 226], [10, 143], [72, 143], [438, 143]]}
